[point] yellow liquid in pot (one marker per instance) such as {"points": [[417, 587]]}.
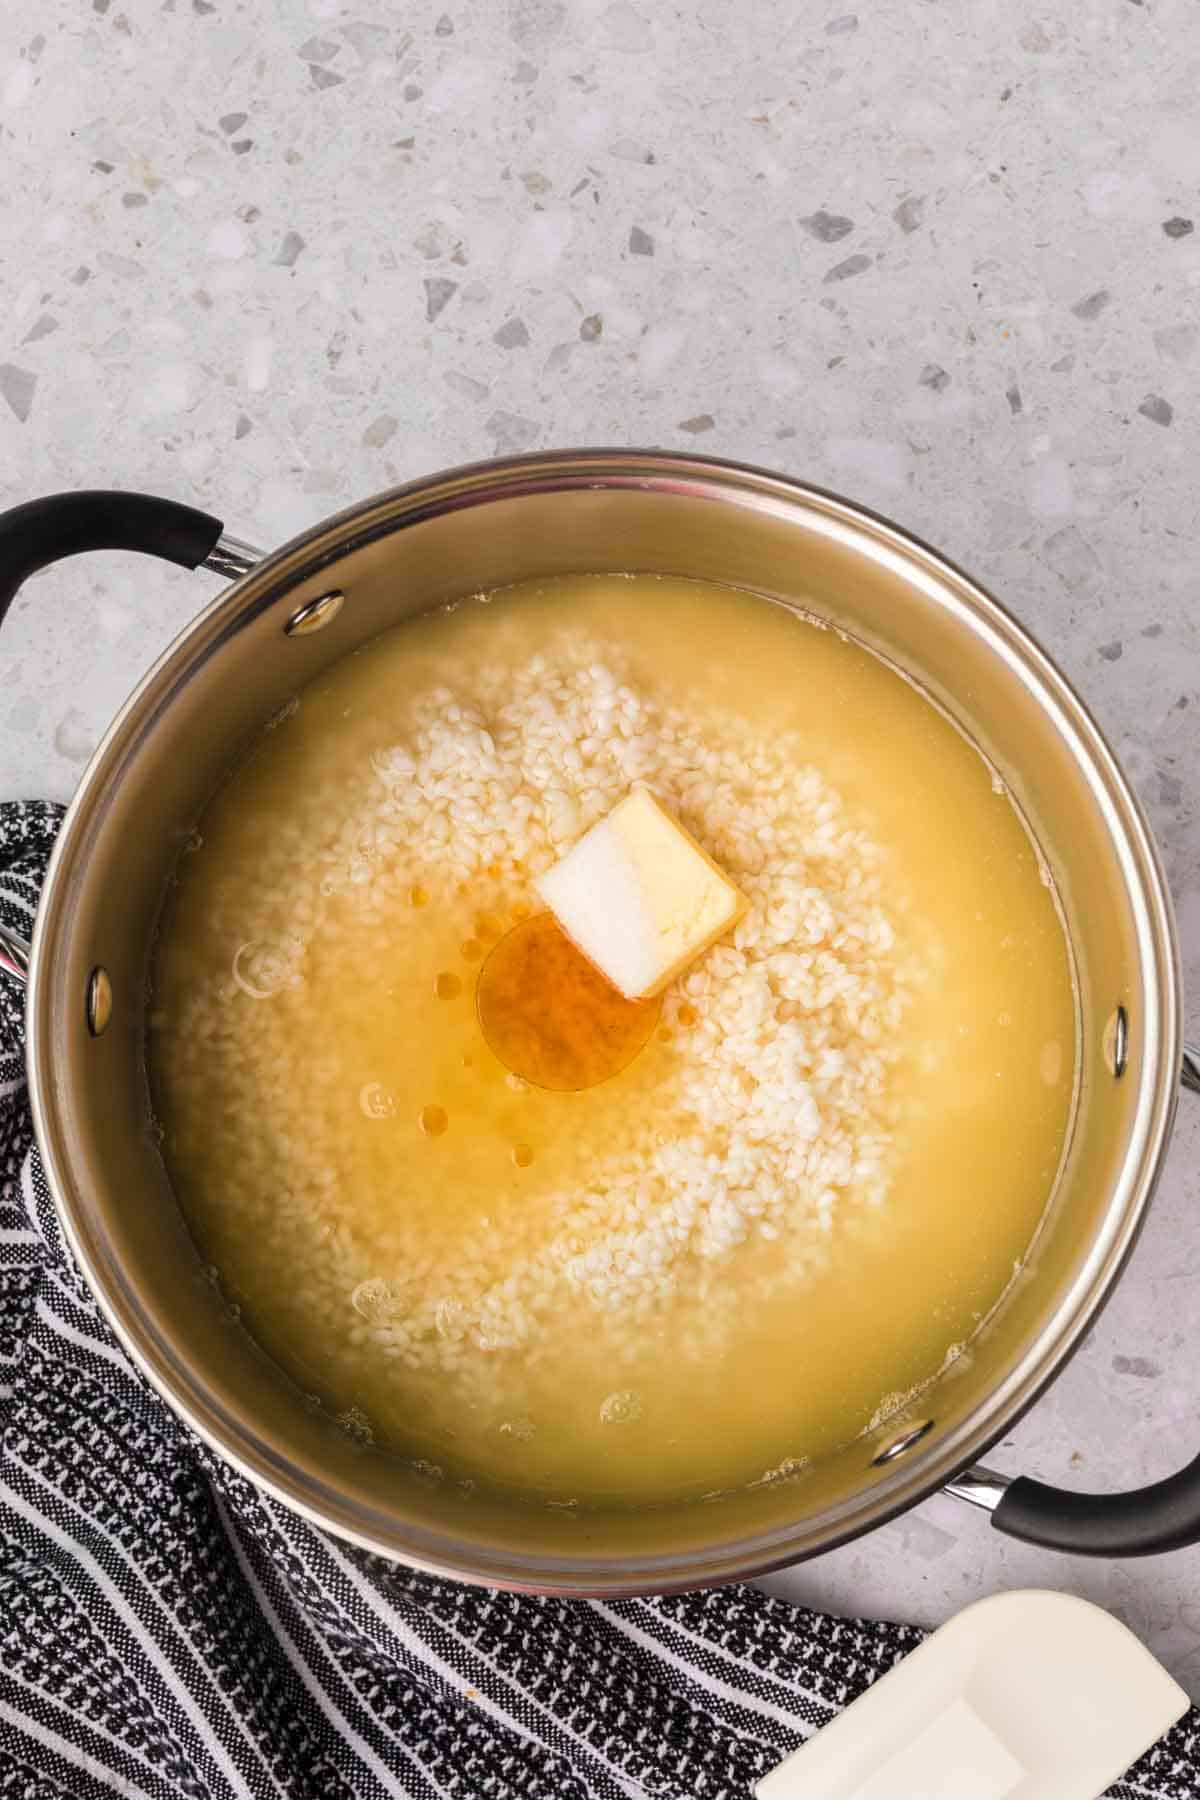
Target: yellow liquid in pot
{"points": [[805, 1192]]}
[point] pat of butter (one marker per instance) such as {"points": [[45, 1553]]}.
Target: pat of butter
{"points": [[639, 897]]}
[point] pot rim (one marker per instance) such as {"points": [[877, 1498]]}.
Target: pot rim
{"points": [[865, 531]]}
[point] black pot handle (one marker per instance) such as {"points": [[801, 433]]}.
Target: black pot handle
{"points": [[58, 525], [45, 531], [1137, 1522]]}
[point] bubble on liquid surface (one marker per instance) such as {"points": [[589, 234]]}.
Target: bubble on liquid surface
{"points": [[521, 1429], [375, 1102], [264, 969], [624, 1407], [377, 1298], [355, 1423], [787, 1470]]}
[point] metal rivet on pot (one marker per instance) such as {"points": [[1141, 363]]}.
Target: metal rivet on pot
{"points": [[1116, 1042], [904, 1442], [314, 615], [99, 1001]]}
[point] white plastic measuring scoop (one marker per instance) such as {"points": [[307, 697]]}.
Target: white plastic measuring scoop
{"points": [[1026, 1696]]}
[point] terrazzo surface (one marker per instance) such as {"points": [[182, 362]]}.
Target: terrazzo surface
{"points": [[269, 258]]}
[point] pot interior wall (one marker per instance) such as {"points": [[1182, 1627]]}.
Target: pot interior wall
{"points": [[206, 702]]}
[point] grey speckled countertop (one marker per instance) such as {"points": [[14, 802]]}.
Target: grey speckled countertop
{"points": [[271, 257]]}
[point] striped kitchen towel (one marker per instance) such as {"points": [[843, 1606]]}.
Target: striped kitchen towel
{"points": [[167, 1631]]}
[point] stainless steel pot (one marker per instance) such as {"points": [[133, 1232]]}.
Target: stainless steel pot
{"points": [[290, 614]]}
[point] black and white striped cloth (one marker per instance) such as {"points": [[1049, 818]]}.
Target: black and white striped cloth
{"points": [[167, 1631]]}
